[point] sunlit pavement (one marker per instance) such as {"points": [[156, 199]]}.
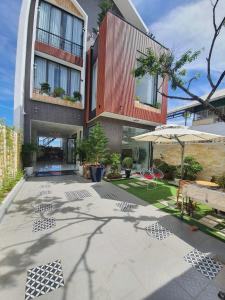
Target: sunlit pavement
{"points": [[87, 245]]}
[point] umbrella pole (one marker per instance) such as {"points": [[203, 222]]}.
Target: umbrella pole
{"points": [[182, 160]]}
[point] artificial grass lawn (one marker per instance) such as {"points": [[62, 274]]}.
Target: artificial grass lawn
{"points": [[164, 191]]}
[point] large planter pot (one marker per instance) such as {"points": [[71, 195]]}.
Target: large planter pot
{"points": [[96, 173], [29, 171], [128, 172]]}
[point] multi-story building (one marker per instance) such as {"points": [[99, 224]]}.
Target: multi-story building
{"points": [[57, 46]]}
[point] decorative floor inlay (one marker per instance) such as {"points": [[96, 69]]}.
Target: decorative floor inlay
{"points": [[43, 208], [44, 279], [203, 263], [43, 224], [158, 231], [126, 206], [110, 196], [42, 193], [45, 186], [123, 186], [76, 195]]}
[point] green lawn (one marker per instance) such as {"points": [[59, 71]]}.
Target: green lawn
{"points": [[164, 191]]}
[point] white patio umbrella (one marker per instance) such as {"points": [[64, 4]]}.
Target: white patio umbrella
{"points": [[169, 134]]}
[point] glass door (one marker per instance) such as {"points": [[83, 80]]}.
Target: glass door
{"points": [[71, 151]]}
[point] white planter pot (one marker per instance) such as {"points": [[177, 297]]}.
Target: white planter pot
{"points": [[29, 171], [81, 170]]}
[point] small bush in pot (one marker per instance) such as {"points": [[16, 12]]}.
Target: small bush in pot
{"points": [[59, 92], [127, 164], [114, 173], [77, 96], [45, 88]]}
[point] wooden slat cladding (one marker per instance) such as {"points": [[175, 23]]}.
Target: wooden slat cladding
{"points": [[119, 46], [59, 53]]}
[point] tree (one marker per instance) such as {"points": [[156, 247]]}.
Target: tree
{"points": [[97, 142], [105, 6], [168, 67]]}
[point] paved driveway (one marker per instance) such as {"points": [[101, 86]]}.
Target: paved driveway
{"points": [[90, 244]]}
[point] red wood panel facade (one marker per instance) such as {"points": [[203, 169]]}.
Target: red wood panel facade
{"points": [[119, 46], [59, 53]]}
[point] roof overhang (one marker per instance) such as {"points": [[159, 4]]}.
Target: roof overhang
{"points": [[130, 13]]}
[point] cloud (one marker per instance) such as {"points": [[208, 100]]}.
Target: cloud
{"points": [[190, 26]]}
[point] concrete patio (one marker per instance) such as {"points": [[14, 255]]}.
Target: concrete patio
{"points": [[101, 248]]}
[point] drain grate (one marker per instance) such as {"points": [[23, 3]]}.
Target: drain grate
{"points": [[44, 279], [203, 263], [126, 206], [43, 208], [77, 195], [43, 224], [42, 193], [158, 231]]}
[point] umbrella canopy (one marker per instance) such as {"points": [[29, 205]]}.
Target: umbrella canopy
{"points": [[169, 134]]}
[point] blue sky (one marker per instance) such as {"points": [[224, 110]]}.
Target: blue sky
{"points": [[178, 24]]}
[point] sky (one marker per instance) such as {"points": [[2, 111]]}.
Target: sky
{"points": [[178, 24]]}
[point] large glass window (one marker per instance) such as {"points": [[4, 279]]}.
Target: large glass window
{"points": [[146, 89], [94, 86], [56, 75], [139, 151], [60, 29]]}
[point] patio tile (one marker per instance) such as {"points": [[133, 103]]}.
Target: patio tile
{"points": [[158, 231], [203, 263], [141, 183], [123, 186], [44, 279], [133, 184], [167, 204], [193, 282], [208, 222]]}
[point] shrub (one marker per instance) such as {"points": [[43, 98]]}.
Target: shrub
{"points": [[115, 163], [27, 152], [127, 162], [45, 88], [59, 92], [69, 98], [191, 168], [169, 171], [221, 181]]}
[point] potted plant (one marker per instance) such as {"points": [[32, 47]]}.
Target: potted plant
{"points": [[28, 151], [97, 142], [114, 172], [77, 96], [127, 164], [45, 88], [191, 168], [59, 92], [107, 162]]}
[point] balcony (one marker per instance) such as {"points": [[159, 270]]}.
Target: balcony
{"points": [[59, 47]]}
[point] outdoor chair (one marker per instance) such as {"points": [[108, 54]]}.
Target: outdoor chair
{"points": [[152, 175]]}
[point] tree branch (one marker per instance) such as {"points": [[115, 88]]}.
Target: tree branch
{"points": [[216, 33], [175, 97]]}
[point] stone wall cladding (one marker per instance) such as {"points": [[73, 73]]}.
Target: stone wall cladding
{"points": [[210, 156]]}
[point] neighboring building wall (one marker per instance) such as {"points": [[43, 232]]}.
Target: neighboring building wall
{"points": [[10, 148], [210, 156]]}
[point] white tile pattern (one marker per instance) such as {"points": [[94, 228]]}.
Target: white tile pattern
{"points": [[158, 231]]}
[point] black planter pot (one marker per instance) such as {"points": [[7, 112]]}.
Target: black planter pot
{"points": [[96, 173], [127, 172]]}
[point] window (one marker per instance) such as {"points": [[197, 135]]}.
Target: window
{"points": [[56, 75], [94, 86], [60, 29], [146, 89]]}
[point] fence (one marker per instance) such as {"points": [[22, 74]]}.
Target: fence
{"points": [[10, 149]]}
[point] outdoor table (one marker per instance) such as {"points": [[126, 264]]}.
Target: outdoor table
{"points": [[213, 198], [207, 183]]}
